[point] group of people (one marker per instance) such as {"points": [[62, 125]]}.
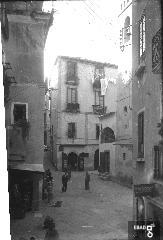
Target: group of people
{"points": [[66, 177]]}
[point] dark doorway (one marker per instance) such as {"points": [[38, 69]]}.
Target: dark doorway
{"points": [[107, 161], [64, 161], [96, 160], [81, 162], [73, 161]]}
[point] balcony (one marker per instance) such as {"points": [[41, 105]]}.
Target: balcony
{"points": [[72, 107], [15, 144], [100, 110]]}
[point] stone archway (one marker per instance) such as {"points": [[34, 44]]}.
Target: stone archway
{"points": [[96, 160], [107, 135], [73, 161]]}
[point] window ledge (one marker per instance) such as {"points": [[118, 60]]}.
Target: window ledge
{"points": [[74, 83]]}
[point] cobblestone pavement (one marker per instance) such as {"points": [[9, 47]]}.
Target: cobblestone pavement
{"points": [[99, 214]]}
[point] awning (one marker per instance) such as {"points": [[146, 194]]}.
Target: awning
{"points": [[123, 142], [27, 167]]}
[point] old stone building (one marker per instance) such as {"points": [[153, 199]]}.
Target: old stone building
{"points": [[76, 113], [106, 145], [147, 110], [123, 141], [24, 32]]}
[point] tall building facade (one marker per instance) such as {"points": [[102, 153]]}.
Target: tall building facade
{"points": [[24, 31], [147, 110], [123, 141], [78, 104]]}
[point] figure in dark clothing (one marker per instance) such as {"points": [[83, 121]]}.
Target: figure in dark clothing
{"points": [[69, 172], [49, 175], [51, 232], [50, 191], [64, 182], [87, 180]]}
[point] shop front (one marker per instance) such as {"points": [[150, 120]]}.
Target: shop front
{"points": [[23, 187]]}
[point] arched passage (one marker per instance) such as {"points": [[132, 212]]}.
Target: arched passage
{"points": [[107, 135], [73, 161], [96, 160]]}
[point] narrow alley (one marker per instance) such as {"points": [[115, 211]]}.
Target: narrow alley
{"points": [[102, 213]]}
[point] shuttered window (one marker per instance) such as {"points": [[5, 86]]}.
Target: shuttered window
{"points": [[71, 71], [72, 130], [97, 131], [99, 99], [142, 37], [141, 135], [71, 95]]}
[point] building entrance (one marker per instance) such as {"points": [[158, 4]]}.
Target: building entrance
{"points": [[96, 160], [73, 161]]}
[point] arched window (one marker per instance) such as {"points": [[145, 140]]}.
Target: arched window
{"points": [[127, 29], [107, 135]]}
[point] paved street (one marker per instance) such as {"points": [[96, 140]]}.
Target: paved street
{"points": [[99, 214]]}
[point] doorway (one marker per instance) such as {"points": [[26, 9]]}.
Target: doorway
{"points": [[73, 161], [96, 160], [107, 161]]}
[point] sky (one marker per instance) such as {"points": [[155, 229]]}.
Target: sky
{"points": [[86, 29]]}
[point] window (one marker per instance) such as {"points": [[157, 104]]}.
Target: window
{"points": [[125, 109], [71, 71], [121, 6], [158, 163], [107, 135], [99, 72], [124, 156], [71, 130], [97, 131], [141, 135], [71, 95], [99, 99], [19, 112], [127, 29], [142, 37], [45, 137]]}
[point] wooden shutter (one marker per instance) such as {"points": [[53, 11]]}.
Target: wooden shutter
{"points": [[74, 130], [101, 100], [71, 71], [68, 95], [141, 135], [97, 131], [73, 95]]}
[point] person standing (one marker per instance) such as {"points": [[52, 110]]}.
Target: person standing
{"points": [[51, 232], [50, 191], [87, 180], [64, 182], [69, 172]]}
